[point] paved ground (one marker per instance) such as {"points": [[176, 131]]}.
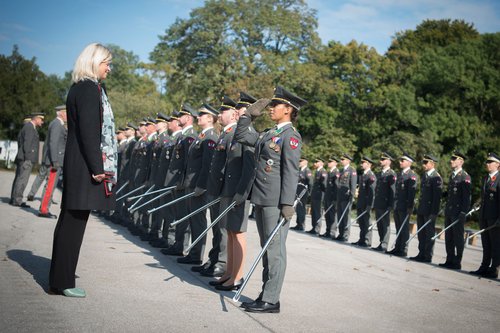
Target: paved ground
{"points": [[329, 287]]}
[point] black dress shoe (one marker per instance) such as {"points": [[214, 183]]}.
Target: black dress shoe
{"points": [[325, 235], [399, 254], [234, 286], [480, 271], [212, 272], [217, 282], [391, 252], [297, 227], [312, 232], [491, 273], [188, 261], [199, 268], [378, 248], [47, 215], [30, 198], [171, 251], [244, 305], [263, 307], [445, 264], [22, 205], [456, 266]]}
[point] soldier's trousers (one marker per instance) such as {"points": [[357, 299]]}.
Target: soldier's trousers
{"points": [[167, 216], [491, 244], [330, 217], [425, 242], [365, 235], [383, 226], [301, 212], [23, 171], [344, 219], [274, 260], [218, 253], [316, 214], [404, 234], [198, 224], [454, 239], [182, 232], [43, 171]]}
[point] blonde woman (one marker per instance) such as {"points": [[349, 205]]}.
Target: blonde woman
{"points": [[90, 164]]}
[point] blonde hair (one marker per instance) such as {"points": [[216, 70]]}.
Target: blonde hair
{"points": [[87, 63]]}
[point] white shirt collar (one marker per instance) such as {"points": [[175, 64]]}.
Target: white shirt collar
{"points": [[228, 126], [206, 129], [280, 125], [430, 172], [493, 173], [386, 169], [176, 132], [185, 129], [455, 172], [405, 170], [366, 171]]}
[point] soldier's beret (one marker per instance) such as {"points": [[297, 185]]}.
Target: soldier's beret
{"points": [[492, 157], [407, 157], [188, 109], [281, 95], [386, 156], [227, 104], [208, 109], [458, 155], [367, 159], [161, 117], [245, 100], [346, 157], [428, 158]]}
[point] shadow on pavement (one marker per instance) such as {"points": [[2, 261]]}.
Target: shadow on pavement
{"points": [[37, 266]]}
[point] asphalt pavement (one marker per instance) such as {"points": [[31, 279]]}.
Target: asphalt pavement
{"points": [[329, 286]]}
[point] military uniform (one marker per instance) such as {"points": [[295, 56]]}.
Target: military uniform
{"points": [[406, 188], [348, 181], [488, 217], [317, 196], [366, 196], [330, 201], [27, 155], [305, 179], [384, 203], [428, 209], [277, 154]]}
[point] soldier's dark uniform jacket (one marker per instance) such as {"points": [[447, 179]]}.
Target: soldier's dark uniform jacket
{"points": [[218, 163], [347, 184], [489, 216], [406, 188], [28, 143], [366, 193], [385, 190], [156, 150], [430, 194], [459, 194], [166, 144], [178, 160], [331, 187], [199, 158], [305, 178], [319, 185]]}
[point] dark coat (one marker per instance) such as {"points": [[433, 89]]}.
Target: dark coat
{"points": [[430, 194], [27, 143], [53, 149], [83, 156]]}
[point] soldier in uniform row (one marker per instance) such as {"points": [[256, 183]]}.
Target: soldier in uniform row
{"points": [[27, 155], [345, 197], [366, 196], [330, 198], [305, 179], [317, 195], [489, 218]]}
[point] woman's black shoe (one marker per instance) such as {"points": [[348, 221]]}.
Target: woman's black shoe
{"points": [[234, 286], [218, 282]]}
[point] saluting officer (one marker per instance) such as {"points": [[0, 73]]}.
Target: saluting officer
{"points": [[196, 177], [330, 201], [277, 154], [317, 194], [305, 179], [27, 155], [457, 207], [428, 208], [406, 188], [366, 196], [348, 181], [489, 217], [175, 176], [384, 200]]}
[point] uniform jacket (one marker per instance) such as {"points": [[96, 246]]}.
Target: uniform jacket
{"points": [[490, 198], [385, 190], [347, 184], [431, 189], [332, 185], [126, 160], [198, 160], [459, 194], [83, 157], [277, 154], [239, 171], [167, 143], [366, 194], [178, 159], [53, 149], [305, 178], [28, 143], [319, 184], [155, 155], [406, 188]]}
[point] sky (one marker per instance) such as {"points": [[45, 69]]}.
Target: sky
{"points": [[56, 31]]}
